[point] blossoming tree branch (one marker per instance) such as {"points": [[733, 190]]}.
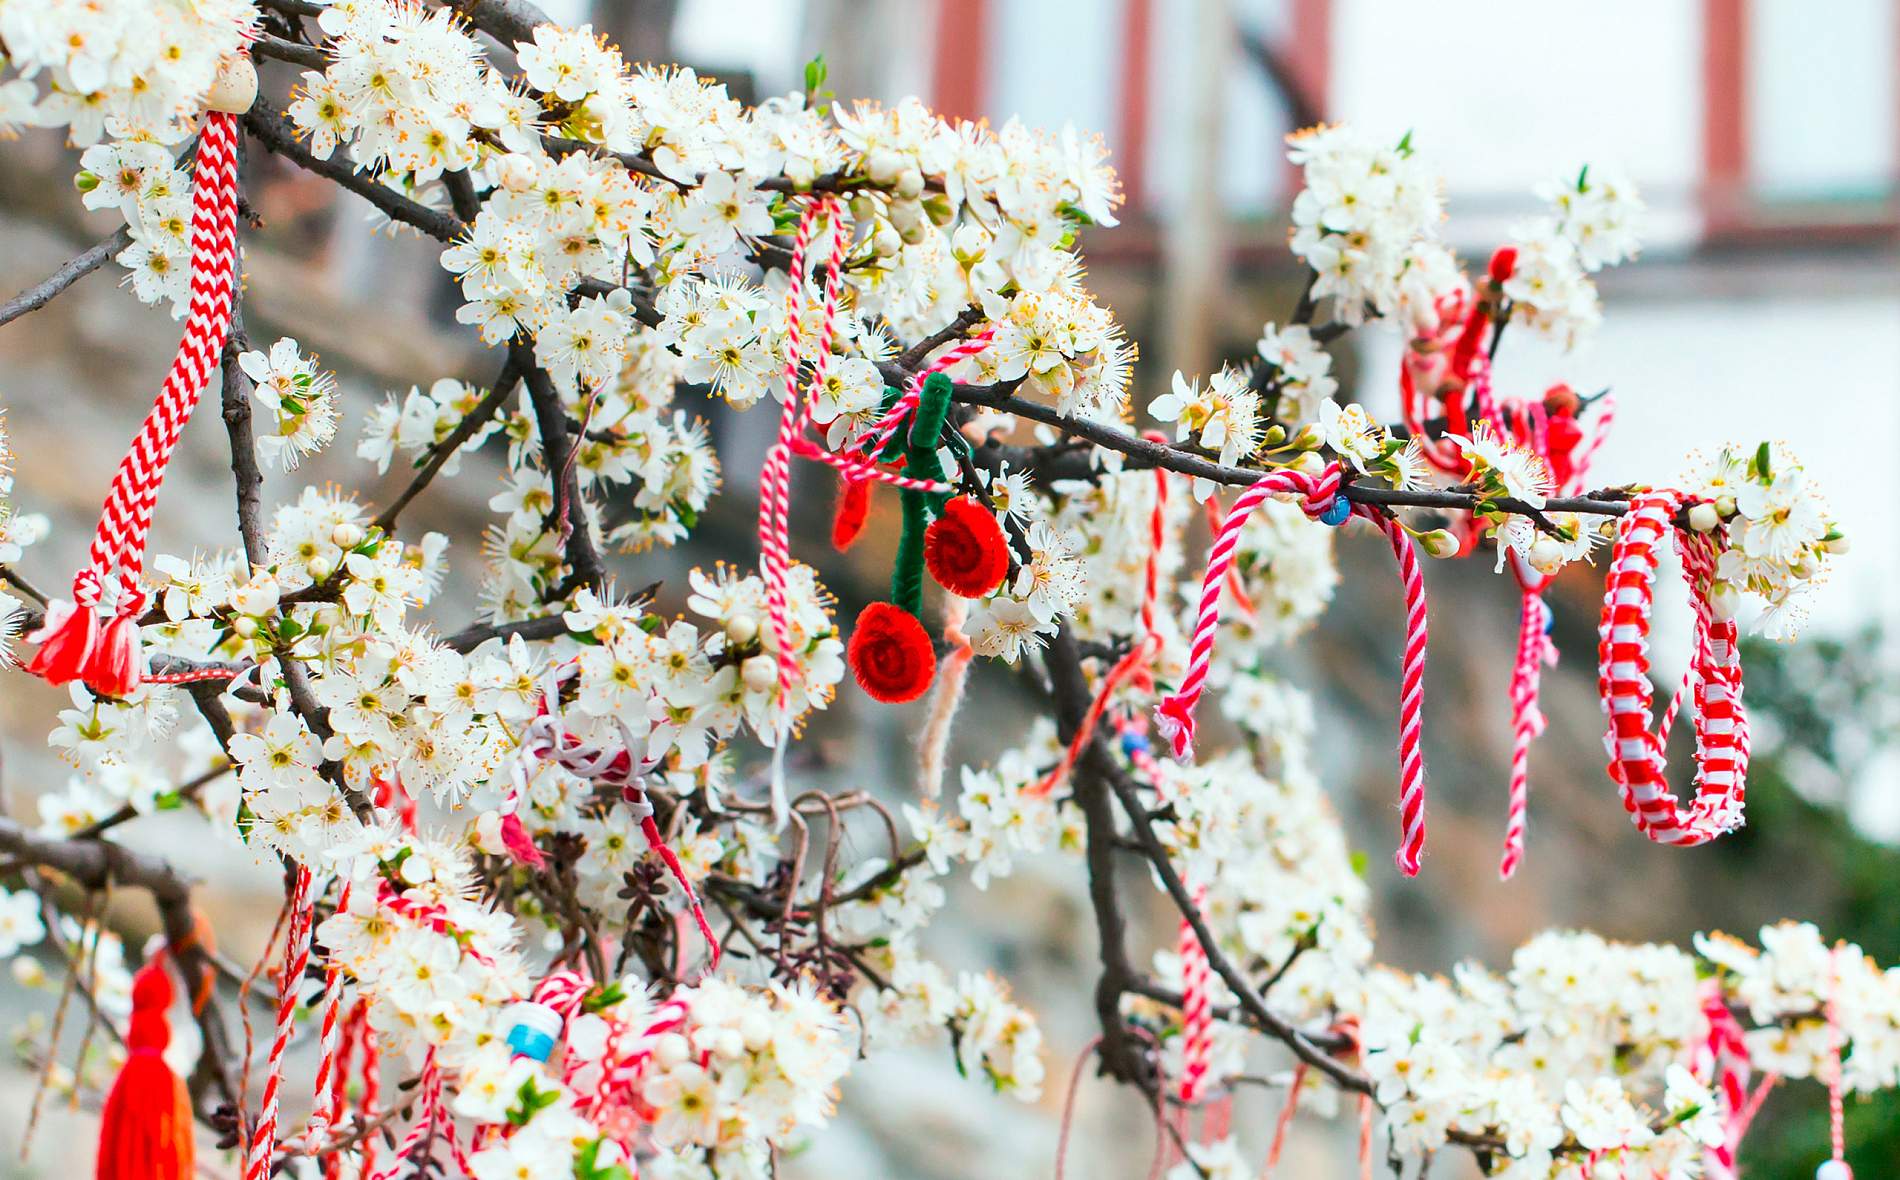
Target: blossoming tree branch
{"points": [[556, 900]]}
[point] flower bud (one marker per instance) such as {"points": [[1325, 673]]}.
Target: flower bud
{"points": [[969, 244], [742, 628], [1835, 544], [883, 166], [669, 1049], [1725, 506], [27, 972], [1309, 463], [1703, 517], [1546, 556], [516, 172], [1276, 434], [85, 181], [487, 834], [910, 184], [320, 567], [245, 626], [1310, 438], [863, 207], [1440, 543], [349, 534], [887, 243], [760, 673], [1724, 600], [234, 88]]}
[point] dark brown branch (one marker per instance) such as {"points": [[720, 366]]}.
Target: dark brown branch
{"points": [[557, 452], [269, 127], [303, 55], [92, 864], [441, 452], [236, 410], [46, 290]]}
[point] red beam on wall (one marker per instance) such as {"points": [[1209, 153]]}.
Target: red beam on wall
{"points": [[1724, 113], [1131, 148], [1312, 63], [960, 69]]}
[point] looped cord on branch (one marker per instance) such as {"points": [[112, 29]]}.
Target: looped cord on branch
{"points": [[1637, 757]]}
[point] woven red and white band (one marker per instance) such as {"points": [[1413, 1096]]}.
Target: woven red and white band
{"points": [[76, 641], [1637, 757]]}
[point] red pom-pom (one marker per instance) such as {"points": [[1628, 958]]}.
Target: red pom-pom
{"points": [[890, 654], [965, 550], [145, 1129], [854, 504]]}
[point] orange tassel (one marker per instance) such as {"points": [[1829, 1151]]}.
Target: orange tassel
{"points": [[145, 1131]]}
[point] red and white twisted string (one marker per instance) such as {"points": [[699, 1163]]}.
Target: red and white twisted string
{"points": [[423, 1129], [1411, 694], [1197, 1008], [1175, 716], [1637, 757], [1534, 651], [296, 961], [329, 1038], [109, 661]]}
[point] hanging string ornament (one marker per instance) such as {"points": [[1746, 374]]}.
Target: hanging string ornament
{"points": [[890, 652], [1319, 499], [94, 637], [145, 1128], [1835, 1167], [793, 438], [1637, 757]]}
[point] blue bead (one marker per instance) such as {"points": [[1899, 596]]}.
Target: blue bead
{"points": [[1336, 512], [1134, 743], [530, 1042], [1550, 618]]}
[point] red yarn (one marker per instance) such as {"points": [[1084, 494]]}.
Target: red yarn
{"points": [[890, 654], [145, 1129], [964, 549], [1503, 264], [854, 505]]}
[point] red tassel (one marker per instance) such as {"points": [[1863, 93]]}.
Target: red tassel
{"points": [[66, 640], [145, 1130], [854, 505], [113, 667]]}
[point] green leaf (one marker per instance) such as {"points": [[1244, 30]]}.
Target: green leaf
{"points": [[816, 72], [1761, 466], [1405, 144], [605, 997], [1583, 179]]}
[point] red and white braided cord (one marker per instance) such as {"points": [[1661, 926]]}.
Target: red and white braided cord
{"points": [[1534, 649], [126, 516], [1836, 1067], [1175, 715], [1411, 694], [775, 477], [1637, 758], [1197, 1008], [328, 1039], [296, 961]]}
